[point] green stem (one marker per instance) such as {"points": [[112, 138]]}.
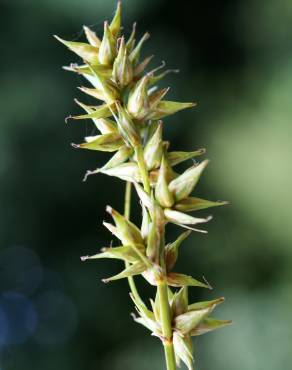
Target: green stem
{"points": [[162, 287], [127, 211], [166, 326]]}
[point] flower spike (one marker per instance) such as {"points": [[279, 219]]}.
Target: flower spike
{"points": [[126, 114]]}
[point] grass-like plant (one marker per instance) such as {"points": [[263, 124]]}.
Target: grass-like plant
{"points": [[129, 122]]}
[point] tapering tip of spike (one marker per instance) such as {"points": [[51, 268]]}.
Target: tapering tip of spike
{"points": [[75, 145], [84, 258]]}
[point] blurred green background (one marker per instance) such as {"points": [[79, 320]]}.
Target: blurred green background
{"points": [[235, 59]]}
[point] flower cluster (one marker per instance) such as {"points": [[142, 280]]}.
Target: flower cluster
{"points": [[128, 120]]}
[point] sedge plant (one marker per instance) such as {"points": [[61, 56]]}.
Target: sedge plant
{"points": [[128, 117]]}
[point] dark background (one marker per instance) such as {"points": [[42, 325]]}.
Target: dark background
{"points": [[235, 61]]}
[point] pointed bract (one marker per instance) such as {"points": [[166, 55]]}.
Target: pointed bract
{"points": [[135, 54], [205, 304], [209, 324], [115, 25], [179, 280], [183, 219], [125, 253], [129, 234], [194, 204], [105, 143], [91, 37], [102, 111], [135, 269], [85, 51], [167, 108], [179, 157]]}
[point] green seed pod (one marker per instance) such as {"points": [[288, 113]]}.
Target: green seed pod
{"points": [[91, 37], [155, 240], [122, 68], [127, 128], [129, 234], [127, 171], [179, 304], [171, 250], [153, 243], [138, 102], [209, 324], [187, 321], [162, 193], [154, 149], [87, 52], [107, 49], [183, 185], [194, 204]]}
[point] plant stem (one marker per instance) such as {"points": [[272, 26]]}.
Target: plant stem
{"points": [[166, 326], [127, 211], [162, 287]]}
